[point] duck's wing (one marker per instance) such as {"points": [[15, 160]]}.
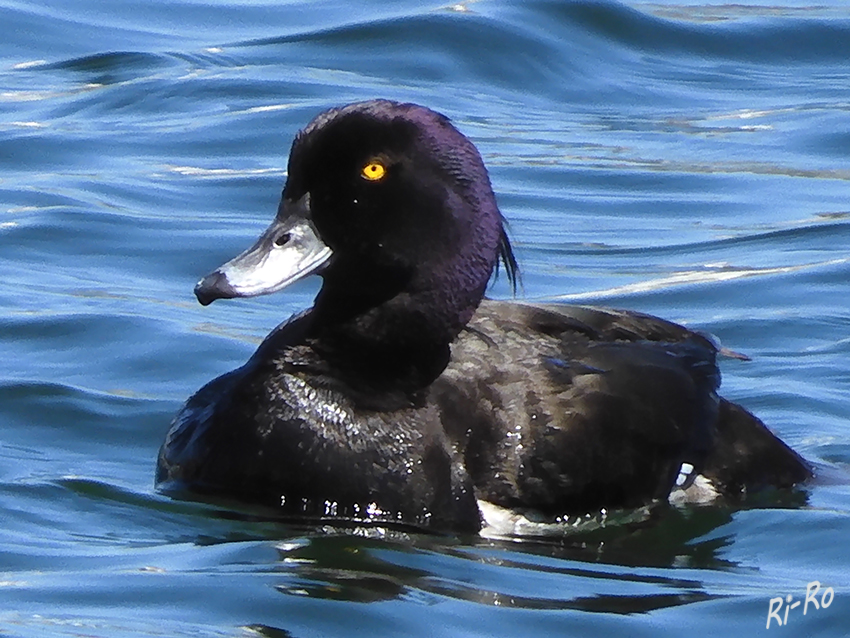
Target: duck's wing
{"points": [[745, 455], [578, 408]]}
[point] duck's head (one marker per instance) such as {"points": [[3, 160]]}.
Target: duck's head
{"points": [[393, 207]]}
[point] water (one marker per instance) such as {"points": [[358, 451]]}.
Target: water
{"points": [[690, 160]]}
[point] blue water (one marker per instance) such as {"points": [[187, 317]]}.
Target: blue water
{"points": [[690, 160]]}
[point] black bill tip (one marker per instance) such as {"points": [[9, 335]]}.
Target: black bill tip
{"points": [[214, 286]]}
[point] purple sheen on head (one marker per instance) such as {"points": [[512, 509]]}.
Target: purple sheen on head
{"points": [[454, 262]]}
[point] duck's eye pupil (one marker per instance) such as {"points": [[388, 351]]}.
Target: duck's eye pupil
{"points": [[373, 171], [282, 240]]}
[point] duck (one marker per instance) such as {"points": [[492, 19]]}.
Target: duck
{"points": [[404, 397]]}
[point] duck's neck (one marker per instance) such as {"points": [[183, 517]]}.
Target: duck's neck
{"points": [[393, 332]]}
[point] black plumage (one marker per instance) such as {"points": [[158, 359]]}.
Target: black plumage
{"points": [[402, 397]]}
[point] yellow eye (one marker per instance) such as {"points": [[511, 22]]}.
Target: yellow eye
{"points": [[373, 171]]}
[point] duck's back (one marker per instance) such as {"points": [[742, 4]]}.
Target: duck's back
{"points": [[568, 409]]}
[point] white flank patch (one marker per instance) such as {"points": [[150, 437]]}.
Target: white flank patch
{"points": [[501, 522], [701, 491]]}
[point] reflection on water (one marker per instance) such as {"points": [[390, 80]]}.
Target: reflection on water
{"points": [[657, 560]]}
